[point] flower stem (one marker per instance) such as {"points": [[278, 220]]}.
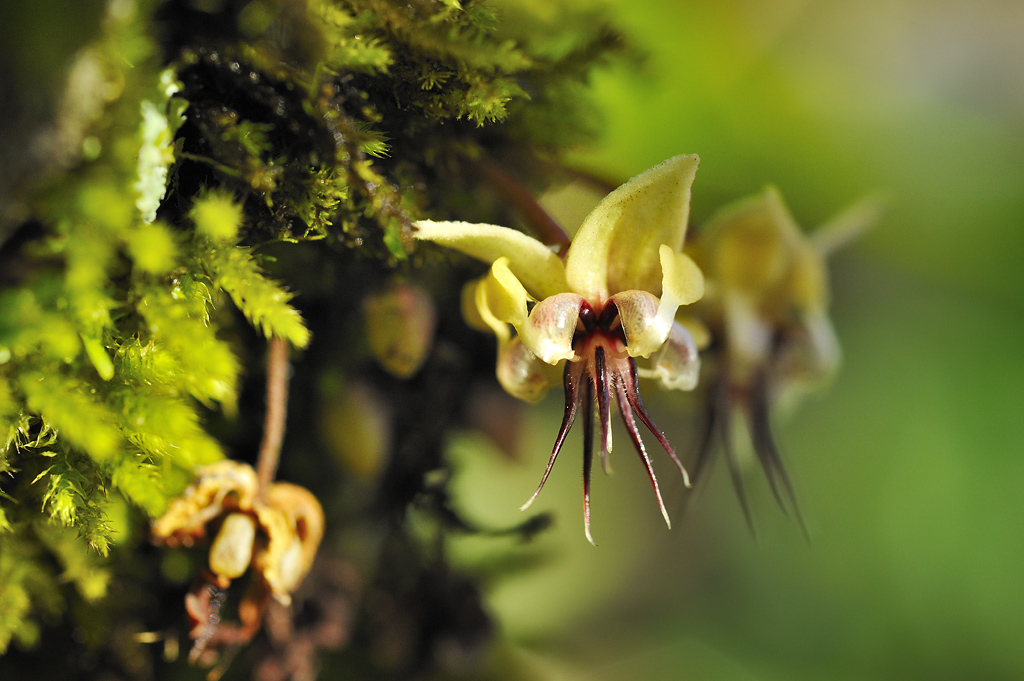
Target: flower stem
{"points": [[545, 227], [277, 412]]}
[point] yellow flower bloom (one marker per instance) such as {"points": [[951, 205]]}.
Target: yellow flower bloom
{"points": [[612, 300]]}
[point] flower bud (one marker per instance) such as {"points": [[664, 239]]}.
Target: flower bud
{"points": [[400, 324]]}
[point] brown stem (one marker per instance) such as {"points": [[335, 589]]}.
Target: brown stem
{"points": [[545, 227], [277, 412], [598, 183]]}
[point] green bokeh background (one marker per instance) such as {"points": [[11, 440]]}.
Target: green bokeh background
{"points": [[910, 467]]}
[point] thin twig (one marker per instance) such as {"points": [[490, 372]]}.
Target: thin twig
{"points": [[596, 182], [545, 227], [221, 167], [277, 412]]}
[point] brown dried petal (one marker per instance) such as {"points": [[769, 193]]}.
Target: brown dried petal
{"points": [[225, 485], [294, 522]]}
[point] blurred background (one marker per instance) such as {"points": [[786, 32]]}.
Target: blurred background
{"points": [[909, 467]]}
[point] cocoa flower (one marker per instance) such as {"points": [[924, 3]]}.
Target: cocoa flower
{"points": [[610, 302], [767, 312]]}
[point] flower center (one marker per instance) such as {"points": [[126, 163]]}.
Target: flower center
{"points": [[603, 368], [600, 331]]}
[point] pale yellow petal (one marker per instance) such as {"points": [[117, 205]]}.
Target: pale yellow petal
{"points": [[549, 330], [506, 296], [849, 224], [697, 329], [646, 320], [807, 285], [471, 308], [616, 248], [682, 280], [522, 374], [495, 301], [677, 364], [539, 269], [747, 246], [748, 335], [823, 343]]}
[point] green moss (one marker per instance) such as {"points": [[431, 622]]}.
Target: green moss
{"points": [[217, 216], [152, 248], [247, 125]]}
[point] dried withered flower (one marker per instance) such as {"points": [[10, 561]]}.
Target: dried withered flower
{"points": [[612, 299], [275, 533], [294, 522], [217, 489]]}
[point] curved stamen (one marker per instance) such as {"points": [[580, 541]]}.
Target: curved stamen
{"points": [[705, 440], [571, 379], [633, 397], [601, 388], [768, 453], [588, 455], [723, 407], [634, 434]]}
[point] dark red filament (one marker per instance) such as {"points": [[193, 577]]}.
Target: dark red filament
{"points": [[604, 367]]}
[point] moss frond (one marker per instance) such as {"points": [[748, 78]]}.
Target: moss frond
{"points": [[262, 301], [181, 350], [168, 429], [27, 586], [69, 407], [153, 248], [82, 568]]}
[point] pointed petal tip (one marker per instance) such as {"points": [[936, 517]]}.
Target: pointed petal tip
{"points": [[616, 248], [538, 268], [529, 502], [851, 223], [686, 478], [661, 505]]}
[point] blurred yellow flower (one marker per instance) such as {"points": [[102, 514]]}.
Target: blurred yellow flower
{"points": [[767, 310], [612, 300]]}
